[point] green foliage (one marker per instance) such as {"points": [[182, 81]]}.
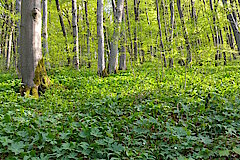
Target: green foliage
{"points": [[124, 116]]}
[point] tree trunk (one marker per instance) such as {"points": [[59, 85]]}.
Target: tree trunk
{"points": [[234, 24], [9, 49], [88, 35], [18, 11], [171, 31], [185, 33], [101, 60], [129, 29], [63, 27], [34, 76], [45, 34], [75, 34], [136, 12], [113, 61], [159, 27], [122, 64]]}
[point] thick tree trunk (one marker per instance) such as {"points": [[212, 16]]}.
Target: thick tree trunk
{"points": [[75, 34], [101, 60], [34, 76], [113, 61]]}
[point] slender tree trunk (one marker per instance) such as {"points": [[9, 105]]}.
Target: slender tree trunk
{"points": [[34, 76], [17, 35], [113, 61], [234, 24], [185, 33], [123, 56], [150, 32], [88, 34], [129, 29], [100, 33], [9, 48], [75, 34], [45, 34], [172, 28], [136, 11], [159, 27], [63, 27]]}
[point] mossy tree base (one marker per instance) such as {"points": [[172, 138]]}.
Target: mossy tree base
{"points": [[41, 81], [103, 73]]}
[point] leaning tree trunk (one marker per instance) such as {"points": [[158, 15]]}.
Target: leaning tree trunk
{"points": [[232, 18], [34, 76], [62, 26], [101, 60], [113, 59], [75, 34]]}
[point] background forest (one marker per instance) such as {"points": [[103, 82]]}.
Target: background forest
{"points": [[136, 79]]}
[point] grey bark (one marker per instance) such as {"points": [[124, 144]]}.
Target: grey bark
{"points": [[129, 29], [185, 33], [113, 59], [30, 40], [136, 11], [122, 64], [172, 29], [62, 26], [75, 34], [9, 48], [45, 33], [100, 33], [232, 18], [88, 34]]}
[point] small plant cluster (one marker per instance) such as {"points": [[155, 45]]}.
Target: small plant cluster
{"points": [[125, 116]]}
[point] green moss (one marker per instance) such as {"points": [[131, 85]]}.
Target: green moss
{"points": [[41, 81]]}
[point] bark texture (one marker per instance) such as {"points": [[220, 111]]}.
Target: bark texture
{"points": [[34, 76], [101, 60], [75, 34], [185, 33], [113, 61]]}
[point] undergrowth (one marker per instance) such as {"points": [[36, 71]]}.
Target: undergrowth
{"points": [[124, 116]]}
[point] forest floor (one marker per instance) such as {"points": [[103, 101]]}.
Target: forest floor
{"points": [[124, 116]]}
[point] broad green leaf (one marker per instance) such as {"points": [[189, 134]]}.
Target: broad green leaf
{"points": [[223, 153], [17, 147], [236, 150]]}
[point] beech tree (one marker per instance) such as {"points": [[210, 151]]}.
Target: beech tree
{"points": [[101, 60], [33, 72], [113, 59], [75, 34]]}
